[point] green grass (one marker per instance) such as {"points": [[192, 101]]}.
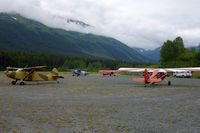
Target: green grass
{"points": [[196, 75]]}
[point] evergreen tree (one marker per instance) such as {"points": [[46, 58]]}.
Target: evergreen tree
{"points": [[173, 54]]}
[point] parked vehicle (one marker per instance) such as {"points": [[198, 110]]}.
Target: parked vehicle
{"points": [[182, 74], [77, 72]]}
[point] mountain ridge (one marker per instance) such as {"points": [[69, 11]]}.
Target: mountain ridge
{"points": [[153, 54], [21, 34]]}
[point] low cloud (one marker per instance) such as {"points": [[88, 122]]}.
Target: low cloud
{"points": [[137, 23]]}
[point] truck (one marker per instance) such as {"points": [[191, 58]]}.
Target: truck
{"points": [[182, 74]]}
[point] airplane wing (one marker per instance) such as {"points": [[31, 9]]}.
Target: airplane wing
{"points": [[12, 68], [108, 71], [136, 69], [192, 69], [37, 68], [131, 69]]}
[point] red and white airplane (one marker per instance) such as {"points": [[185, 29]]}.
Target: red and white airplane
{"points": [[158, 74]]}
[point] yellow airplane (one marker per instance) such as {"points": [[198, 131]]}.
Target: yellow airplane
{"points": [[31, 74]]}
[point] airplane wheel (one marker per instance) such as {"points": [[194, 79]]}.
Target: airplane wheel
{"points": [[73, 75], [13, 82], [145, 85], [21, 83], [169, 83]]}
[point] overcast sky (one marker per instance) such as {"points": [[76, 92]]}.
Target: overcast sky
{"points": [[137, 23]]}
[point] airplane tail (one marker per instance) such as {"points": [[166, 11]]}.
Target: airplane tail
{"points": [[146, 76], [54, 74]]}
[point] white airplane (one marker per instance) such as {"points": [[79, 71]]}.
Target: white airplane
{"points": [[77, 72]]}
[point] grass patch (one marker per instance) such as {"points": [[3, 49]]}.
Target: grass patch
{"points": [[196, 75]]}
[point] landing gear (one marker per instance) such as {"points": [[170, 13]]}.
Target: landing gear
{"points": [[22, 83], [13, 82], [169, 83]]}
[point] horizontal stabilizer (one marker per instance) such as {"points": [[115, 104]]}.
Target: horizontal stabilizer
{"points": [[58, 77], [140, 80]]}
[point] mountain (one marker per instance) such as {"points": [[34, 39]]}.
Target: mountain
{"points": [[194, 48], [67, 22], [21, 34], [84, 25], [150, 54]]}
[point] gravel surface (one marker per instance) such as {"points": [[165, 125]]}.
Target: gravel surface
{"points": [[100, 104]]}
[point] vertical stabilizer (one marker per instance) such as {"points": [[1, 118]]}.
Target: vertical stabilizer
{"points": [[54, 72], [53, 75], [146, 76]]}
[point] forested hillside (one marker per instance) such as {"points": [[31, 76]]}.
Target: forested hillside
{"points": [[20, 34], [20, 59]]}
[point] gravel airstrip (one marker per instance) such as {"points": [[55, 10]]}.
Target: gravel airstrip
{"points": [[99, 104]]}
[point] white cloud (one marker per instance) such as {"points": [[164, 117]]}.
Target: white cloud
{"points": [[138, 23]]}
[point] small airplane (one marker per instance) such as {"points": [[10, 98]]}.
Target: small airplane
{"points": [[158, 74], [31, 74], [77, 72], [108, 72]]}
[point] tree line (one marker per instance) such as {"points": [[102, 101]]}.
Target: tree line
{"points": [[62, 62], [174, 54]]}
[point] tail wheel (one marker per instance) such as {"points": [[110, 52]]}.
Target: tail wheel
{"points": [[21, 83], [169, 83]]}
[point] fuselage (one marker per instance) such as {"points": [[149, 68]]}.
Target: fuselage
{"points": [[155, 77], [25, 76]]}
